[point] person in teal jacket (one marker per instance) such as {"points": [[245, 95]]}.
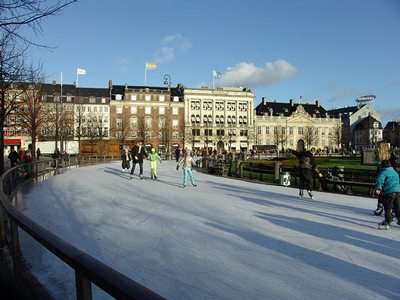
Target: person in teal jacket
{"points": [[153, 156], [388, 184]]}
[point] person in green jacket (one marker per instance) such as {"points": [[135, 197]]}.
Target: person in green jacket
{"points": [[153, 156]]}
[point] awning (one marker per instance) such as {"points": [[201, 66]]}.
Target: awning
{"points": [[12, 142]]}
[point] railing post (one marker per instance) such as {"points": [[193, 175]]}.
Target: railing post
{"points": [[16, 251], [2, 226], [83, 286]]}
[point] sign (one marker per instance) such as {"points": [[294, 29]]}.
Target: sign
{"points": [[366, 98]]}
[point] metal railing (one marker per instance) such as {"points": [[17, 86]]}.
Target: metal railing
{"points": [[88, 270]]}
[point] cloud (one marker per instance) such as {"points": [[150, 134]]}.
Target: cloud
{"points": [[171, 45], [389, 114], [247, 74], [395, 84], [122, 63], [346, 92]]}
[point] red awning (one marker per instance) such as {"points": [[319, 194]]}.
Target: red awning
{"points": [[12, 142]]}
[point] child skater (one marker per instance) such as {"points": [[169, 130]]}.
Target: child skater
{"points": [[387, 184], [153, 156], [188, 162], [126, 158]]}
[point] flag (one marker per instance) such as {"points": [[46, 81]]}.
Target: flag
{"points": [[151, 66], [300, 96], [217, 74], [81, 72]]}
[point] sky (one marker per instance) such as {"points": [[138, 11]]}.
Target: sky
{"points": [[224, 239], [332, 51]]}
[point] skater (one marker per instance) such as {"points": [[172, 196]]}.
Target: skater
{"points": [[138, 154], [188, 162], [383, 154], [13, 156], [306, 164], [153, 156], [38, 153], [388, 184], [126, 158]]}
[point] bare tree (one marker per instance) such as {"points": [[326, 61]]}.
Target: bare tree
{"points": [[15, 16], [280, 137], [337, 135], [310, 136], [31, 113]]}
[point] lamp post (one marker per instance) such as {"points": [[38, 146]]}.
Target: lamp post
{"points": [[167, 80]]}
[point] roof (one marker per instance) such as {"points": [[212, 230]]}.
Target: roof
{"points": [[392, 125], [278, 108], [343, 111], [51, 89], [367, 123]]}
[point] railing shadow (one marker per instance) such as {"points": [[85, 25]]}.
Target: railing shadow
{"points": [[88, 270]]}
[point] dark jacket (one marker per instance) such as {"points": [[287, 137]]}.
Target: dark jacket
{"points": [[387, 181], [306, 160], [138, 155]]}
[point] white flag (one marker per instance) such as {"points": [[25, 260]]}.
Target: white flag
{"points": [[81, 72], [217, 74], [151, 66]]}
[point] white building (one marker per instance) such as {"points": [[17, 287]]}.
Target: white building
{"points": [[221, 119]]}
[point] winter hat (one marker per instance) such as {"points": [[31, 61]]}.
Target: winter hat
{"points": [[126, 150], [153, 150]]}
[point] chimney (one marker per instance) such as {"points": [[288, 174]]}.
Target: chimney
{"points": [[264, 101], [54, 82], [291, 102], [317, 103]]}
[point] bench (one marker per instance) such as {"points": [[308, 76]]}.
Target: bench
{"points": [[369, 185]]}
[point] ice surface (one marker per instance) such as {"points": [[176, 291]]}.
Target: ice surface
{"points": [[224, 239]]}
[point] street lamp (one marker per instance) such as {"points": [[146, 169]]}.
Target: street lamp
{"points": [[167, 80]]}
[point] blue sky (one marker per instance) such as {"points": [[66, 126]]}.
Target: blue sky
{"points": [[333, 51]]}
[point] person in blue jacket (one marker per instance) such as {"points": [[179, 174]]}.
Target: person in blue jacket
{"points": [[387, 183]]}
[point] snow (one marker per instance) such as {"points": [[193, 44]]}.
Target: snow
{"points": [[224, 239]]}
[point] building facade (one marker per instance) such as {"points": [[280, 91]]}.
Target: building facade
{"points": [[351, 116], [219, 119], [153, 115], [295, 126]]}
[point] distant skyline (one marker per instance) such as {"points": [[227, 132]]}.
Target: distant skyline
{"points": [[332, 51]]}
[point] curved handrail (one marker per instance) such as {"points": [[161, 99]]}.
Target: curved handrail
{"points": [[87, 269]]}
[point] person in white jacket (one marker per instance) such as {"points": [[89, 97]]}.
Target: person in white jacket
{"points": [[188, 163]]}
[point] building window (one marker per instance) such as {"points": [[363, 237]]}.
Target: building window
{"points": [[258, 129], [118, 97], [174, 135], [291, 130], [161, 111], [267, 130], [147, 97], [133, 123], [147, 110], [133, 110], [162, 98], [119, 123], [92, 100], [147, 123], [300, 130], [175, 110], [133, 97], [175, 124], [119, 109]]}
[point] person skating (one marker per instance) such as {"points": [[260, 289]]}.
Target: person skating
{"points": [[188, 163], [126, 158], [306, 164], [13, 156], [153, 156], [138, 154], [383, 154], [388, 184]]}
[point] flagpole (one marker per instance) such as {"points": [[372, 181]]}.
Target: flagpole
{"points": [[145, 70], [213, 79], [76, 77]]}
